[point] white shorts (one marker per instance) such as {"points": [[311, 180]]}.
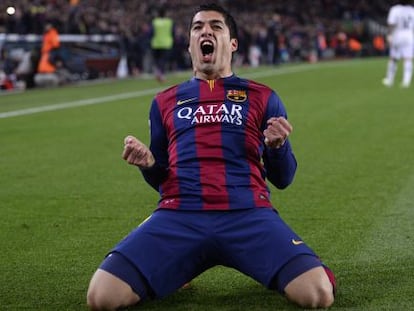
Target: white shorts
{"points": [[401, 47]]}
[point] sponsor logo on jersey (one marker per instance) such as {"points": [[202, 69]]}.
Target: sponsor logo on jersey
{"points": [[212, 113]]}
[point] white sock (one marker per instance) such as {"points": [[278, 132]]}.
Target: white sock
{"points": [[408, 71], [391, 70]]}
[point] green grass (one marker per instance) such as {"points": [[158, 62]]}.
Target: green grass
{"points": [[66, 196]]}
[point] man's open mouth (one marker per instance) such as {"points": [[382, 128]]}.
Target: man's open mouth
{"points": [[207, 49]]}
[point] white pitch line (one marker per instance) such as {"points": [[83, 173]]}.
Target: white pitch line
{"points": [[77, 103], [104, 99]]}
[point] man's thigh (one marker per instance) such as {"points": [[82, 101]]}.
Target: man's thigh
{"points": [[259, 243]]}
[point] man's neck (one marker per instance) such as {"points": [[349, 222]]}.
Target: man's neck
{"points": [[212, 76]]}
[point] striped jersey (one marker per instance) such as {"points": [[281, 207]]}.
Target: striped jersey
{"points": [[207, 140]]}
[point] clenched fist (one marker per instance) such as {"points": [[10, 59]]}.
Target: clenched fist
{"points": [[277, 131], [137, 153]]}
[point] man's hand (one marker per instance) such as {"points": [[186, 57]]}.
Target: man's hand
{"points": [[277, 131], [136, 153], [389, 39]]}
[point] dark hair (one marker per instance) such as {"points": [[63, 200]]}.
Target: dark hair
{"points": [[228, 18], [161, 12]]}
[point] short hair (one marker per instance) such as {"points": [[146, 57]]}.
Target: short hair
{"points": [[161, 12], [228, 18]]}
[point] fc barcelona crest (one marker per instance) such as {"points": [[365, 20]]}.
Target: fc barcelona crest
{"points": [[236, 95]]}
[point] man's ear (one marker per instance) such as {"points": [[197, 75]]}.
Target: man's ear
{"points": [[234, 44]]}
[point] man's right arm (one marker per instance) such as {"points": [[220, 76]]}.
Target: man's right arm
{"points": [[156, 174]]}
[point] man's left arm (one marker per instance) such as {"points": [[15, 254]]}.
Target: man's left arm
{"points": [[278, 158]]}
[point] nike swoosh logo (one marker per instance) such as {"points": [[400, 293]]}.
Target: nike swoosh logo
{"points": [[297, 242], [183, 101]]}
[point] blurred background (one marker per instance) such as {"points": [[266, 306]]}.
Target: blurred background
{"points": [[112, 38]]}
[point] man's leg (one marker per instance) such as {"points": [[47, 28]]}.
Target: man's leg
{"points": [[117, 283], [306, 281], [408, 72], [108, 292], [312, 289], [275, 256], [391, 71]]}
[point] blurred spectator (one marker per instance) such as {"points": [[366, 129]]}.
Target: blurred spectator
{"points": [[378, 43], [283, 49], [143, 55], [49, 58], [162, 42], [241, 56], [179, 57], [5, 82], [27, 68], [261, 43], [339, 43], [355, 47], [9, 60], [321, 43], [273, 32]]}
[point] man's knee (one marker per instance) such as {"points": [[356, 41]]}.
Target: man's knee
{"points": [[312, 289], [316, 297], [97, 301], [107, 292]]}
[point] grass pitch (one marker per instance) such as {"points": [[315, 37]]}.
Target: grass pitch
{"points": [[66, 196]]}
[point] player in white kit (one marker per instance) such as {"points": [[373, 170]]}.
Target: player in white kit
{"points": [[401, 40]]}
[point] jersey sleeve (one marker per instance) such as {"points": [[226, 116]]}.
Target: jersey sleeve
{"points": [[392, 17], [155, 175], [280, 164]]}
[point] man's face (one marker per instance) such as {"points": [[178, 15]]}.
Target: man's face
{"points": [[210, 45]]}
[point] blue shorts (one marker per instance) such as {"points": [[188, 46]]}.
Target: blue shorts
{"points": [[173, 247]]}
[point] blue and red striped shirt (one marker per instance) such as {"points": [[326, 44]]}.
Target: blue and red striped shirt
{"points": [[207, 140]]}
